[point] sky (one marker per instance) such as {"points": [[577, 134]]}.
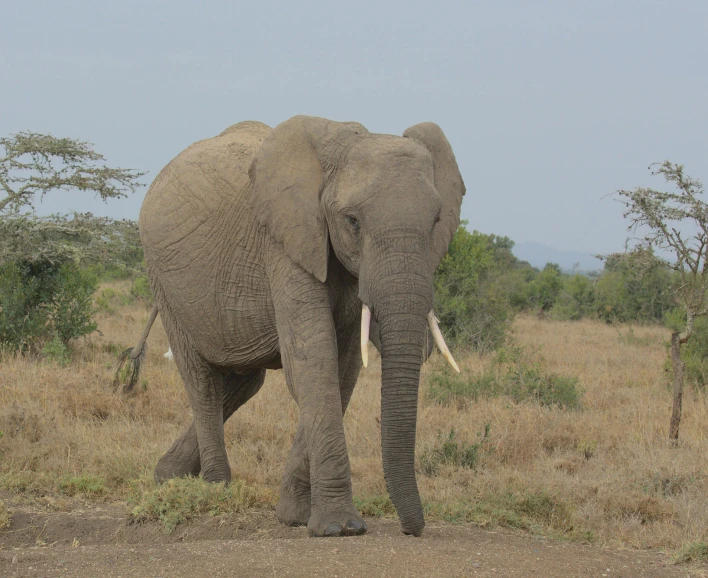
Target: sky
{"points": [[550, 106]]}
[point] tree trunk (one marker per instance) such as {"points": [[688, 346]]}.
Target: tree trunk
{"points": [[678, 388]]}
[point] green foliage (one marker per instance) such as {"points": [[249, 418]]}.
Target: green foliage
{"points": [[471, 297], [100, 242], [375, 506], [41, 301], [631, 291], [576, 298], [528, 382], [693, 552], [179, 500], [86, 485], [451, 452], [445, 387], [44, 295], [56, 351], [140, 289], [33, 164], [546, 287], [511, 374]]}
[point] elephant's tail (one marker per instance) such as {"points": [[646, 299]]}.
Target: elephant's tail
{"points": [[135, 356]]}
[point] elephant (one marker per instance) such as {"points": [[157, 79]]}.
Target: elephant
{"points": [[288, 248]]}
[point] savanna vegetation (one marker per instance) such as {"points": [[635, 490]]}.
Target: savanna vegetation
{"points": [[562, 433], [556, 425]]}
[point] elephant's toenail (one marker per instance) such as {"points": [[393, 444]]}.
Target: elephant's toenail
{"points": [[333, 529], [356, 527]]}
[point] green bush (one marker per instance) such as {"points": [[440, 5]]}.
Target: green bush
{"points": [[181, 499], [56, 351], [472, 298], [43, 301], [530, 383], [451, 452], [625, 292], [375, 506], [546, 287], [576, 298], [140, 289], [511, 374], [446, 387]]}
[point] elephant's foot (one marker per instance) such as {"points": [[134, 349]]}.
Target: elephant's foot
{"points": [[181, 460], [293, 507], [336, 523], [217, 473]]}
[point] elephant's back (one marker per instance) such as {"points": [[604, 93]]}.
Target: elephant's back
{"points": [[203, 184]]}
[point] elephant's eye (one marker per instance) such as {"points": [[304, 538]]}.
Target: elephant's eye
{"points": [[353, 223]]}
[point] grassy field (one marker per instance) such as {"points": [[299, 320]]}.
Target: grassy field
{"points": [[602, 472]]}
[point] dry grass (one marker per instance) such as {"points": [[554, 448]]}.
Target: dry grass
{"points": [[604, 473]]}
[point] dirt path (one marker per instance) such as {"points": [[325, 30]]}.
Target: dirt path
{"points": [[97, 541]]}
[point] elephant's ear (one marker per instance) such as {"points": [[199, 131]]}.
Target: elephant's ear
{"points": [[287, 179], [448, 183]]}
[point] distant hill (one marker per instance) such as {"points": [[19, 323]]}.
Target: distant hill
{"points": [[538, 255]]}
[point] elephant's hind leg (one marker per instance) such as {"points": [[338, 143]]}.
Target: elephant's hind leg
{"points": [[182, 459]]}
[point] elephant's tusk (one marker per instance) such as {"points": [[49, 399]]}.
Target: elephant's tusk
{"points": [[440, 341], [365, 323]]}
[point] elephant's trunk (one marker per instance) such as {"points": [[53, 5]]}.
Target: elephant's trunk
{"points": [[401, 343], [401, 298]]}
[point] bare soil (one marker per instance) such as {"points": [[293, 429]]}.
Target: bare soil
{"points": [[98, 540]]}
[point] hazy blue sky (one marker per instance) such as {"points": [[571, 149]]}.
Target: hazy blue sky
{"points": [[549, 105]]}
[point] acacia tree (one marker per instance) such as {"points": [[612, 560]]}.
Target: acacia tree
{"points": [[675, 224], [44, 295], [34, 164]]}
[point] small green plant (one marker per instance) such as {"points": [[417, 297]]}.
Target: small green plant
{"points": [[179, 500], [451, 452], [693, 552], [86, 485], [530, 383], [446, 387], [375, 506], [587, 448], [57, 352], [511, 374]]}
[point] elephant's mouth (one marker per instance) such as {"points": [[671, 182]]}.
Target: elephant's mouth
{"points": [[432, 325]]}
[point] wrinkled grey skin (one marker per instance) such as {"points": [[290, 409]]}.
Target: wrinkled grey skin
{"points": [[261, 246]]}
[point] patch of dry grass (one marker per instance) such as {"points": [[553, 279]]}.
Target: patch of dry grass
{"points": [[4, 516], [604, 473]]}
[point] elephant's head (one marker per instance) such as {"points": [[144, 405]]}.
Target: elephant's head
{"points": [[388, 207]]}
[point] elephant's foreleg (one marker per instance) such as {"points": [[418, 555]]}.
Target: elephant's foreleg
{"points": [[308, 350], [294, 504], [182, 459]]}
